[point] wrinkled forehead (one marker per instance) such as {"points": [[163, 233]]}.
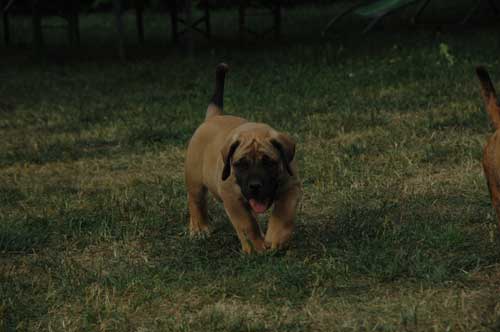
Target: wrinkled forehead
{"points": [[255, 148]]}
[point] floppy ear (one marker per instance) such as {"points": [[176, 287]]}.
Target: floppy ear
{"points": [[227, 155], [286, 147]]}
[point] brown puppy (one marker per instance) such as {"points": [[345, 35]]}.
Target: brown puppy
{"points": [[491, 154], [249, 167]]}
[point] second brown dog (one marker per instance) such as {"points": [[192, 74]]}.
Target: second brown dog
{"points": [[491, 153]]}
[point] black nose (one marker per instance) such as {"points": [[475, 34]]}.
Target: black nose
{"points": [[254, 185]]}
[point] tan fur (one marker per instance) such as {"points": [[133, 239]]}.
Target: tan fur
{"points": [[203, 170], [491, 152]]}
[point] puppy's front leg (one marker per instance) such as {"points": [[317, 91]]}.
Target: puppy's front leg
{"points": [[246, 226], [281, 223], [197, 203]]}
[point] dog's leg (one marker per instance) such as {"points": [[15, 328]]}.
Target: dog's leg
{"points": [[491, 174], [198, 217], [280, 227], [496, 204], [246, 226], [495, 200]]}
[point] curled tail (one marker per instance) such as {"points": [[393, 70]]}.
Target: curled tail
{"points": [[217, 102], [489, 96]]}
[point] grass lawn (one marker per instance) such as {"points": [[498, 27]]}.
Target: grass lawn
{"points": [[395, 231]]}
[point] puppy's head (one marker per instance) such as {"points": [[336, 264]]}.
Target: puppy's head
{"points": [[259, 161]]}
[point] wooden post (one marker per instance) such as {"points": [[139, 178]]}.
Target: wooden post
{"points": [[174, 20], [77, 25], [277, 20], [117, 8], [36, 19], [207, 19], [241, 17], [188, 12], [139, 10], [6, 26], [73, 23]]}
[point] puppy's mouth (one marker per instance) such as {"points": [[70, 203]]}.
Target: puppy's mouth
{"points": [[258, 207]]}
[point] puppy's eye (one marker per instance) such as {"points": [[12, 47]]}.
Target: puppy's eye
{"points": [[242, 164]]}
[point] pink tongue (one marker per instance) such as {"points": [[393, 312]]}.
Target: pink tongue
{"points": [[257, 207]]}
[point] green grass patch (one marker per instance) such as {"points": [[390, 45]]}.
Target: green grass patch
{"points": [[395, 231]]}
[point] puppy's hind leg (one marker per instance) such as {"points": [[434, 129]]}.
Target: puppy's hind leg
{"points": [[495, 199], [197, 200]]}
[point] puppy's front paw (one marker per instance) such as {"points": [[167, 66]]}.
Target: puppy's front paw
{"points": [[198, 231], [258, 246], [278, 239]]}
